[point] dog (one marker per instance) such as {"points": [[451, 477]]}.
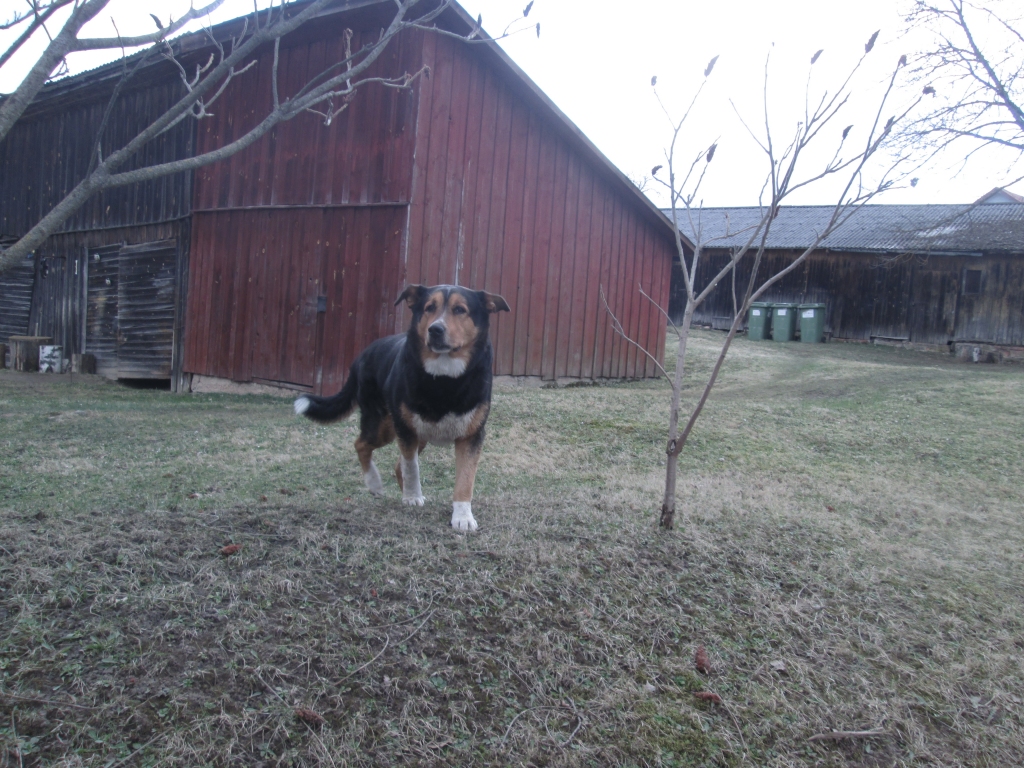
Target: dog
{"points": [[431, 384]]}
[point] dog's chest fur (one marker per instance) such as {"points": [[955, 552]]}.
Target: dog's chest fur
{"points": [[448, 428]]}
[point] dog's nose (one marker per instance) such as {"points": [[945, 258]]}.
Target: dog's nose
{"points": [[436, 332]]}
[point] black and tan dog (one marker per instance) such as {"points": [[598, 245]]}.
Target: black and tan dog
{"points": [[429, 385]]}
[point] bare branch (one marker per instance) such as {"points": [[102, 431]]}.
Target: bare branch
{"points": [[617, 327]]}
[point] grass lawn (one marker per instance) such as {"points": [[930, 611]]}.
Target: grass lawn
{"points": [[849, 550]]}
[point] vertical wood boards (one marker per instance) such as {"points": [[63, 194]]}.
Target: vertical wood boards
{"points": [[145, 310], [101, 314], [16, 300], [503, 202], [47, 153], [256, 281], [919, 298], [363, 156]]}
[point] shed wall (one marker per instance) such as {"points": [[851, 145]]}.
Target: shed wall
{"points": [[48, 151], [918, 298]]}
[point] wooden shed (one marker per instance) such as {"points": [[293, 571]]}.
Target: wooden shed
{"points": [[928, 274], [124, 250], [288, 256]]}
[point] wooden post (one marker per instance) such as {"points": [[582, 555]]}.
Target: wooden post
{"points": [[3, 355], [26, 351]]}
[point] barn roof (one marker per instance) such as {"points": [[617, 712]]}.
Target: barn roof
{"points": [[56, 94], [936, 229]]}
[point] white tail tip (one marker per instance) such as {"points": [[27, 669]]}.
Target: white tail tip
{"points": [[301, 405]]}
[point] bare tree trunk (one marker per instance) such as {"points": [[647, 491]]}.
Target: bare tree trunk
{"points": [[668, 505]]}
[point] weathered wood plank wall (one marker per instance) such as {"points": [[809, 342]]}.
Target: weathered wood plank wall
{"points": [[919, 298], [16, 300], [48, 151]]}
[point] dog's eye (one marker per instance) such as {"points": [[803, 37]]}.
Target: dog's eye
{"points": [[430, 307], [458, 310]]}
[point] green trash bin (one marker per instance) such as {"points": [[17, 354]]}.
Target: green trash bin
{"points": [[812, 322], [783, 322], [759, 321]]}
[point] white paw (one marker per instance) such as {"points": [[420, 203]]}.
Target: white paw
{"points": [[413, 501], [373, 481], [462, 516], [301, 406]]}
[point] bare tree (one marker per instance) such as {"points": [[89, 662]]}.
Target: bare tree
{"points": [[974, 73], [327, 94], [850, 165]]}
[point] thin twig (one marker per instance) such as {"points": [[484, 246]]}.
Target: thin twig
{"points": [[736, 723], [838, 735], [617, 327], [256, 672], [47, 702], [387, 641], [17, 743], [359, 669]]}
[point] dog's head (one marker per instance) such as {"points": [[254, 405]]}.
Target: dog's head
{"points": [[449, 324]]}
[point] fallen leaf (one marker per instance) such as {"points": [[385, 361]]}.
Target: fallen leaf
{"points": [[309, 716], [708, 696], [778, 666], [830, 509], [263, 498], [193, 495], [230, 549], [650, 688], [701, 660], [373, 593], [285, 492]]}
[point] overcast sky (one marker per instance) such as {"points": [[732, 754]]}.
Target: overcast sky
{"points": [[595, 60]]}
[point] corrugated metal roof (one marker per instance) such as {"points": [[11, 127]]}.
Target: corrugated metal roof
{"points": [[962, 229]]}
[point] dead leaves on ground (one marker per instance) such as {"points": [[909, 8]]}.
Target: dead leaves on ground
{"points": [[701, 660], [309, 717], [230, 549], [714, 698]]}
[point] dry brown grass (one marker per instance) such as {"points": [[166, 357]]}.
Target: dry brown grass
{"points": [[848, 552]]}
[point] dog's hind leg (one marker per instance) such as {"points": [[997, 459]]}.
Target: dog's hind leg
{"points": [[370, 474], [372, 437], [467, 456], [408, 473]]}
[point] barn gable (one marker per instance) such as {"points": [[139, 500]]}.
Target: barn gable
{"points": [[471, 177]]}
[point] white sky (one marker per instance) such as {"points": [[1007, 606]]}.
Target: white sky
{"points": [[595, 60]]}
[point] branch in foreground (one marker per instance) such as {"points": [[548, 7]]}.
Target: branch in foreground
{"points": [[343, 84], [617, 327]]}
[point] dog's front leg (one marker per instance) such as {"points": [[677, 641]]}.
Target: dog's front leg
{"points": [[467, 456], [412, 493]]}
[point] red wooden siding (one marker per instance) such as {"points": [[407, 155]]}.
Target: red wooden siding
{"points": [[502, 201], [461, 180], [364, 156], [310, 212], [256, 277]]}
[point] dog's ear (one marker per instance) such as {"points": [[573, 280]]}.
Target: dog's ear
{"points": [[411, 295], [493, 302]]}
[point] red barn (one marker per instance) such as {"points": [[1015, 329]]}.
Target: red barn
{"points": [[298, 246]]}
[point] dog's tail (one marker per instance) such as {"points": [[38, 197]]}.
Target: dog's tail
{"points": [[328, 409]]}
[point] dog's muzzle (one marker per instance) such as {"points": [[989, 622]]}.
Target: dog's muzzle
{"points": [[436, 338]]}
